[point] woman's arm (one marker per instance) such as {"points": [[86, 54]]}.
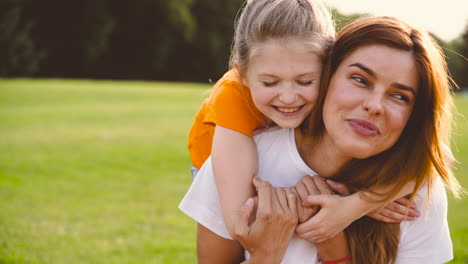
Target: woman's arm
{"points": [[235, 163]]}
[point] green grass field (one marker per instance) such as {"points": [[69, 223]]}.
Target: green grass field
{"points": [[93, 171]]}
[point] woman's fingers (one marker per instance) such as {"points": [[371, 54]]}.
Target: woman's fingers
{"points": [[264, 193], [242, 226]]}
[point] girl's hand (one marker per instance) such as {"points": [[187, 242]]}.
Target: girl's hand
{"points": [[393, 212], [308, 186], [332, 218], [335, 214], [267, 237]]}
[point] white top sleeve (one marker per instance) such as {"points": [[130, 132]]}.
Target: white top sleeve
{"points": [[427, 238]]}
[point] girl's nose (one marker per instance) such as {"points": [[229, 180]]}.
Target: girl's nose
{"points": [[288, 96]]}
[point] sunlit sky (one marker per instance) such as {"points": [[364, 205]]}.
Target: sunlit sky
{"points": [[446, 18]]}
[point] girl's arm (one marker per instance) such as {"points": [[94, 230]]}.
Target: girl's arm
{"points": [[337, 212], [212, 248], [266, 238], [235, 163]]}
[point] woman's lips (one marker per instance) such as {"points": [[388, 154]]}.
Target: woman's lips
{"points": [[364, 127]]}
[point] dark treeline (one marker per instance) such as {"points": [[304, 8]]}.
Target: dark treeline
{"points": [[177, 40]]}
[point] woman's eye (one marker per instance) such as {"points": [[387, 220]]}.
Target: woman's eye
{"points": [[359, 79], [305, 83], [269, 84], [401, 97]]}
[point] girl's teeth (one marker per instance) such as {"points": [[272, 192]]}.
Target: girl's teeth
{"points": [[288, 110]]}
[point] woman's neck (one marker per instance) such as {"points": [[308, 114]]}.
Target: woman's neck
{"points": [[320, 155]]}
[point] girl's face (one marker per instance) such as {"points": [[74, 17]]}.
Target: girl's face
{"points": [[283, 78], [370, 99]]}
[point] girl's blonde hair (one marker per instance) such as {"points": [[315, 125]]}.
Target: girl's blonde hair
{"points": [[420, 153], [260, 20]]}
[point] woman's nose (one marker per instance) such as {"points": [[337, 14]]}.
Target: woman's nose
{"points": [[373, 104]]}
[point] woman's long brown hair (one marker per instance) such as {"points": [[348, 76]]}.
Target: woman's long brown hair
{"points": [[418, 155]]}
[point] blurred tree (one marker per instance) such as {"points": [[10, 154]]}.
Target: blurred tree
{"points": [[206, 56], [74, 33], [19, 55], [463, 69], [145, 35], [341, 19], [456, 60]]}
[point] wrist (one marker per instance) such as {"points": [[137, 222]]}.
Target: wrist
{"points": [[344, 260], [263, 258], [361, 205]]}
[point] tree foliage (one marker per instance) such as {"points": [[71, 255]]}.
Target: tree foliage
{"points": [[185, 40]]}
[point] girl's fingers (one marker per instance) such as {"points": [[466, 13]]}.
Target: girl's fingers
{"points": [[402, 209], [310, 185], [322, 185], [302, 191], [339, 188], [381, 218], [292, 203], [299, 207], [406, 202], [281, 200], [387, 215]]}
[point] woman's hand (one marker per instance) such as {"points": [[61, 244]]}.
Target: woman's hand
{"points": [[268, 236]]}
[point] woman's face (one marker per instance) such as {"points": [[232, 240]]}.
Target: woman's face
{"points": [[370, 99]]}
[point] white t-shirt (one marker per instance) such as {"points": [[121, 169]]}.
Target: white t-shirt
{"points": [[424, 240]]}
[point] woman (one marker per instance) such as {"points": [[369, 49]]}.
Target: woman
{"points": [[382, 119]]}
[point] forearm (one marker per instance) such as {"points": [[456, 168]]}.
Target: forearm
{"points": [[234, 159], [375, 197]]}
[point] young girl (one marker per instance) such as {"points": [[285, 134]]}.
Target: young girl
{"points": [[276, 62]]}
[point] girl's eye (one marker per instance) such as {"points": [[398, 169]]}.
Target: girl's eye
{"points": [[305, 83], [359, 79], [269, 84]]}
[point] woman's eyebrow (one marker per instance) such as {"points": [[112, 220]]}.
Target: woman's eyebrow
{"points": [[364, 68], [405, 87]]}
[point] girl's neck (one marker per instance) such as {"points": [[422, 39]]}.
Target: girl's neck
{"points": [[321, 155]]}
